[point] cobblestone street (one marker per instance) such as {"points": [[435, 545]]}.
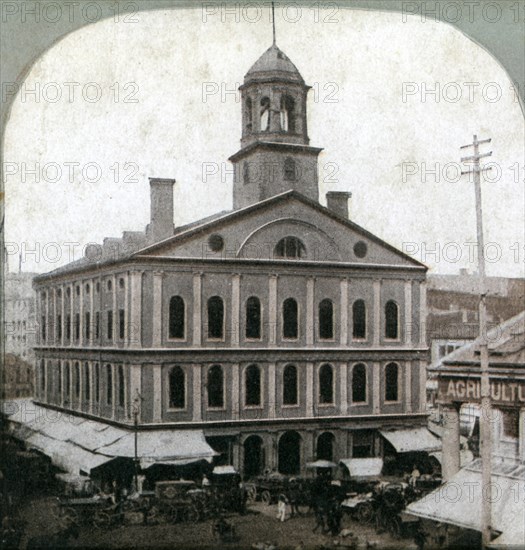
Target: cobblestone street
{"points": [[258, 527]]}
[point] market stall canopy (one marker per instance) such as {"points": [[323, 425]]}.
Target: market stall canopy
{"points": [[321, 464], [458, 502], [175, 447], [363, 467], [412, 439], [77, 444], [224, 470]]}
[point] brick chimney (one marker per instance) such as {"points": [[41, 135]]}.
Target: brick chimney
{"points": [[337, 201], [161, 204]]}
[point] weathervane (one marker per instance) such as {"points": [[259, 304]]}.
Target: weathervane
{"points": [[273, 22]]}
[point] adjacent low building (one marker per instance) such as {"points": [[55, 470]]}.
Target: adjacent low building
{"points": [[458, 502]]}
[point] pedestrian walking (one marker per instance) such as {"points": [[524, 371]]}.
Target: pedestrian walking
{"points": [[281, 507], [293, 497], [319, 511]]}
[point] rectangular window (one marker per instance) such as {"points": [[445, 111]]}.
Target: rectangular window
{"points": [[362, 444], [110, 325], [97, 325], [121, 323], [88, 325], [77, 326], [43, 328], [68, 327], [59, 327]]}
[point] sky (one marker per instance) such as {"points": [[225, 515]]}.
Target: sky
{"points": [[391, 103]]}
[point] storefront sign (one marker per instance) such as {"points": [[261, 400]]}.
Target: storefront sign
{"points": [[501, 392]]}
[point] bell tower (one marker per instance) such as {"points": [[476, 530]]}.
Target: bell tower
{"points": [[275, 154]]}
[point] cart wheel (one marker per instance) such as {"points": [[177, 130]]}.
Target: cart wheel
{"points": [[173, 514], [192, 515], [365, 513], [152, 515], [266, 497], [101, 519], [252, 493], [67, 516]]}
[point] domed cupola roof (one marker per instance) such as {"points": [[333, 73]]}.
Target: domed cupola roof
{"points": [[273, 63]]}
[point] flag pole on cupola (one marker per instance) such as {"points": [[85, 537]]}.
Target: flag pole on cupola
{"points": [[273, 22]]}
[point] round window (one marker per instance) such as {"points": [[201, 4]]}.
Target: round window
{"points": [[360, 249], [216, 242]]}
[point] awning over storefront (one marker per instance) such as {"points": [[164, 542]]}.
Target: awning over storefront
{"points": [[458, 502], [66, 455], [321, 464], [363, 467], [412, 439], [224, 470], [76, 444]]}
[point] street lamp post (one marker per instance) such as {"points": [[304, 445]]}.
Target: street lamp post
{"points": [[136, 412]]}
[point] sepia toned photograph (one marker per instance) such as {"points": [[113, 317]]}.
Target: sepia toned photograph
{"points": [[263, 274]]}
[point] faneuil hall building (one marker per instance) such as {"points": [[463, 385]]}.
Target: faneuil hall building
{"points": [[265, 337]]}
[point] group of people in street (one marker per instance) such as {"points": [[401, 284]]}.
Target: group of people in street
{"points": [[324, 499]]}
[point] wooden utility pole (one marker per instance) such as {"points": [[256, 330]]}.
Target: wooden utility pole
{"points": [[486, 417]]}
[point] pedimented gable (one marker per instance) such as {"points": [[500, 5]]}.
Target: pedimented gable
{"points": [[255, 231]]}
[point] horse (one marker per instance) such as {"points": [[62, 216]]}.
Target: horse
{"points": [[59, 539]]}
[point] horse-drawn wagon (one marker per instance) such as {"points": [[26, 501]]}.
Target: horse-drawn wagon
{"points": [[268, 488], [175, 501], [84, 510]]}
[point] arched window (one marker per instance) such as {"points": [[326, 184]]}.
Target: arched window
{"points": [[290, 169], [87, 385], [177, 388], [109, 385], [287, 114], [77, 381], [326, 320], [215, 317], [325, 446], [289, 247], [97, 382], [391, 382], [290, 385], [177, 317], [248, 113], [290, 319], [391, 320], [326, 384], [359, 383], [265, 114], [121, 385], [253, 318], [359, 319], [252, 380], [215, 387]]}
